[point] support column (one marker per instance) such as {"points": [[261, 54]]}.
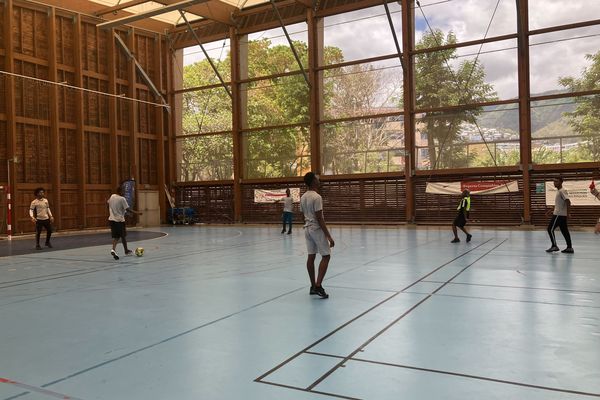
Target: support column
{"points": [[54, 128], [524, 105], [134, 150], [112, 111], [160, 131], [11, 125], [408, 44], [315, 77], [80, 135], [239, 70]]}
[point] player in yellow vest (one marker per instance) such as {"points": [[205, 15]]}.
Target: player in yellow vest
{"points": [[463, 216]]}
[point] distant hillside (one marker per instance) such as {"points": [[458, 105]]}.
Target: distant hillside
{"points": [[546, 117]]}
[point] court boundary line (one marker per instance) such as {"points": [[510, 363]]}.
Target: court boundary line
{"points": [[36, 389], [459, 374], [519, 287], [283, 363]]}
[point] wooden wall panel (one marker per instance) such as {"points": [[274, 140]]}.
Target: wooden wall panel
{"points": [[344, 201], [65, 33], [146, 113], [148, 162], [580, 215], [97, 147], [3, 151], [67, 98], [95, 207], [33, 152], [30, 32], [3, 80], [124, 158], [267, 212], [123, 122], [69, 200], [68, 163], [212, 203], [95, 105], [499, 209], [31, 98]]}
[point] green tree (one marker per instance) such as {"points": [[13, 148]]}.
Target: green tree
{"points": [[440, 82], [585, 120]]}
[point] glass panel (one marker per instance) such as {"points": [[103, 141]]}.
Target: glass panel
{"points": [[277, 101], [362, 89], [468, 19], [205, 158], [363, 146], [269, 52], [276, 153], [197, 70], [485, 137], [206, 110], [466, 75], [547, 13], [374, 36], [560, 54], [566, 130]]}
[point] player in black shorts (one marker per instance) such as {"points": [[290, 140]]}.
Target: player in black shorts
{"points": [[462, 217]]}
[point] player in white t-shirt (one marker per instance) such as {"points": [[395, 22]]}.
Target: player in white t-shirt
{"points": [[595, 192], [288, 211], [318, 239], [560, 214]]}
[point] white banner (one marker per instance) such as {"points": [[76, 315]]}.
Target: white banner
{"points": [[475, 187], [579, 193], [274, 195]]}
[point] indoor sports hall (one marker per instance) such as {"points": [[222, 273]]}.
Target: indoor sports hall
{"points": [[299, 199]]}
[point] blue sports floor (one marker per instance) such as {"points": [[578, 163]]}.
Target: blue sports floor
{"points": [[215, 312]]}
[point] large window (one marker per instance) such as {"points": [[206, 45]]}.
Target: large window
{"points": [[481, 137], [275, 153], [363, 146], [566, 130], [205, 158]]}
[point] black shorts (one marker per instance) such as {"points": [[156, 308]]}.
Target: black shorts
{"points": [[460, 220], [117, 229]]}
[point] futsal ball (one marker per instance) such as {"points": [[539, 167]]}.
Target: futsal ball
{"points": [[139, 251]]}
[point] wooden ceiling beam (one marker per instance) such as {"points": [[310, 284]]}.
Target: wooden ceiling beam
{"points": [[120, 7], [181, 5]]}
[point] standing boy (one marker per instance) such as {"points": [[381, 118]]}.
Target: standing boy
{"points": [[562, 210], [41, 216], [318, 239], [117, 208], [463, 216], [288, 204]]}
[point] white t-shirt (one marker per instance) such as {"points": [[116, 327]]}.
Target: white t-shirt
{"points": [[560, 202], [117, 207], [42, 209], [288, 204], [310, 203]]}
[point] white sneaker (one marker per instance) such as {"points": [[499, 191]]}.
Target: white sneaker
{"points": [[114, 254]]}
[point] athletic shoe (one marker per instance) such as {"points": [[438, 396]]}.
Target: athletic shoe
{"points": [[114, 254], [129, 253], [313, 290], [455, 240], [289, 232], [321, 292], [283, 231], [552, 249], [469, 236], [48, 245], [38, 247], [568, 250]]}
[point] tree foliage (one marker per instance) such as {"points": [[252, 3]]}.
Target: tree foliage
{"points": [[585, 119], [441, 81]]}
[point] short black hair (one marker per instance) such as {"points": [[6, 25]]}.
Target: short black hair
{"points": [[309, 177], [37, 190], [559, 178]]}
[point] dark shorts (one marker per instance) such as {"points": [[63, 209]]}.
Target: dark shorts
{"points": [[460, 220], [117, 229]]}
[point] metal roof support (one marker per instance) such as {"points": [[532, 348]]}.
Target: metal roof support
{"points": [[205, 53], [119, 7], [148, 14], [389, 17], [142, 72], [290, 42]]}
